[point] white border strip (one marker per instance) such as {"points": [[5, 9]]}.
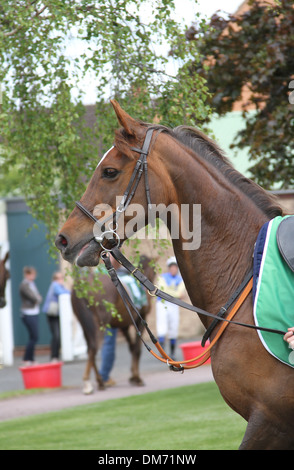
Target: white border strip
{"points": [[105, 155], [269, 228]]}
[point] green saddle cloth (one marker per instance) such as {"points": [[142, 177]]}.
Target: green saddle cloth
{"points": [[135, 291], [274, 299]]}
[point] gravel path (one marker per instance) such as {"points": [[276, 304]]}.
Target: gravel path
{"points": [[155, 375]]}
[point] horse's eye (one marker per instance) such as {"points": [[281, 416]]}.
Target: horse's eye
{"points": [[110, 173]]}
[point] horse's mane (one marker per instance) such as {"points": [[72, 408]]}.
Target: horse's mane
{"points": [[207, 149]]}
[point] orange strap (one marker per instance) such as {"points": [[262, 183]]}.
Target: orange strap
{"points": [[203, 357]]}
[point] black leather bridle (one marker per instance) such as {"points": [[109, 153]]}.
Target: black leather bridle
{"points": [[114, 242], [140, 168]]}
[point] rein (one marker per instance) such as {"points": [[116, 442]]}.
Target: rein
{"points": [[239, 295], [153, 290]]}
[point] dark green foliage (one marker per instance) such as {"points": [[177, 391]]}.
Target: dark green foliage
{"points": [[47, 149], [255, 50]]}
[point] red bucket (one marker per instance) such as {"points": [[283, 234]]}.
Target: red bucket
{"points": [[194, 349], [42, 375]]}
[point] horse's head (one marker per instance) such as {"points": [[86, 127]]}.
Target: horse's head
{"points": [[4, 275], [78, 240]]}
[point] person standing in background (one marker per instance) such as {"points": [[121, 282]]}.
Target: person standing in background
{"points": [[167, 314], [30, 309], [51, 308]]}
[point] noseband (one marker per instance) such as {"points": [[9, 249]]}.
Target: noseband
{"points": [[140, 168]]}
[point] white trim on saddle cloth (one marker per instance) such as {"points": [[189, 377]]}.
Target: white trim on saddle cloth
{"points": [[274, 299]]}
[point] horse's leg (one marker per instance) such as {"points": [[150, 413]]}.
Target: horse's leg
{"points": [[135, 350], [99, 379], [262, 434], [87, 385], [261, 391], [91, 363], [136, 379]]}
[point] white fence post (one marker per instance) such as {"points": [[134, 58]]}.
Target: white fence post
{"points": [[66, 333], [6, 323], [6, 330], [73, 342]]}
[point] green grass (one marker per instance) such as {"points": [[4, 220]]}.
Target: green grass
{"points": [[187, 418]]}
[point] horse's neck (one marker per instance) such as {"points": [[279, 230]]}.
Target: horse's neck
{"points": [[213, 272], [229, 227]]}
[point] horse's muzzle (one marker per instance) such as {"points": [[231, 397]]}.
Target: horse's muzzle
{"points": [[84, 253]]}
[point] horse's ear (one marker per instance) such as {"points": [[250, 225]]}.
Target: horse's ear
{"points": [[127, 122], [6, 257]]}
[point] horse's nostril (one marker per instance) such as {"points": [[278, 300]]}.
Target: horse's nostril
{"points": [[61, 242]]}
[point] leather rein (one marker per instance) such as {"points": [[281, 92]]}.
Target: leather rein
{"points": [[239, 296]]}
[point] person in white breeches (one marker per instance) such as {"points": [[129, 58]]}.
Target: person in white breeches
{"points": [[167, 314]]}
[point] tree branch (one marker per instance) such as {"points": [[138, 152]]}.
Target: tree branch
{"points": [[15, 30]]}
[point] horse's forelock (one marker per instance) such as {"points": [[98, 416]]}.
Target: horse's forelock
{"points": [[124, 142]]}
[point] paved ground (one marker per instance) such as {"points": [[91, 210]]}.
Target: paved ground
{"points": [[155, 374]]}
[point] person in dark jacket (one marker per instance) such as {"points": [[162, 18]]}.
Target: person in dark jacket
{"points": [[30, 309]]}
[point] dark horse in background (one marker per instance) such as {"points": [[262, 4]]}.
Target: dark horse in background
{"points": [[93, 319], [185, 168], [4, 276]]}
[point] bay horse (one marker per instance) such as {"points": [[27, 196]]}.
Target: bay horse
{"points": [[4, 276], [96, 316], [185, 167]]}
